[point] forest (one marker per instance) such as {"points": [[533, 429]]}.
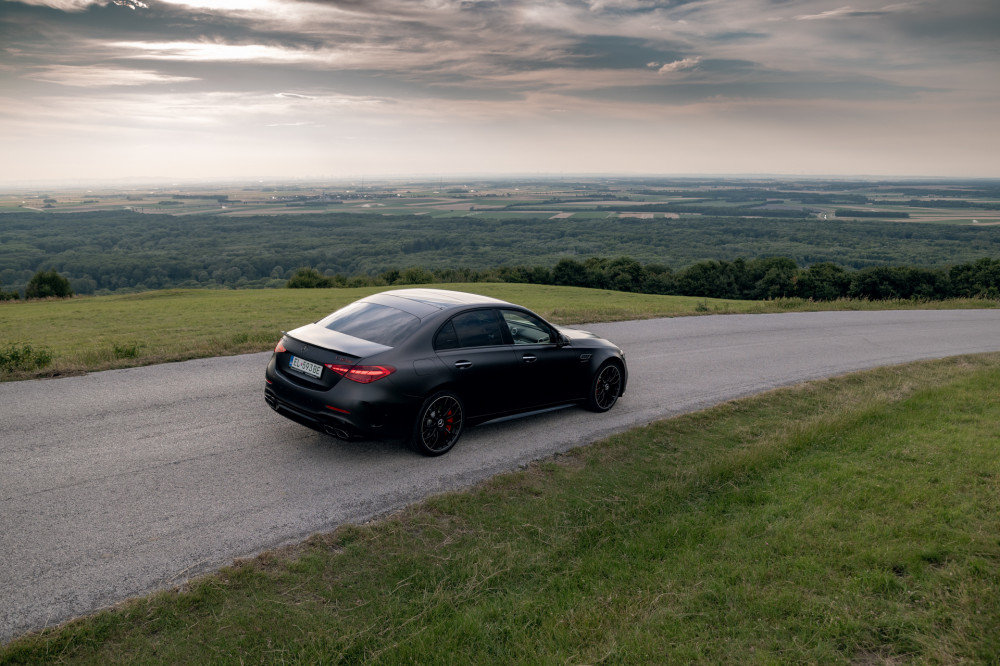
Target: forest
{"points": [[121, 250]]}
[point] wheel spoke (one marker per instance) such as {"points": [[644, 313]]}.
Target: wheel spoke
{"points": [[441, 424], [607, 386]]}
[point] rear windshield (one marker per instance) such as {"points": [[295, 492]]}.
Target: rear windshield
{"points": [[370, 321]]}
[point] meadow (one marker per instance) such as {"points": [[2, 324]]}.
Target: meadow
{"points": [[84, 334]]}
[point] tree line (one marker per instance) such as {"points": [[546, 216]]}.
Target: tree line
{"points": [[742, 279]]}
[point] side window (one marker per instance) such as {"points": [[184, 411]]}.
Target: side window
{"points": [[446, 338], [479, 328], [525, 328]]}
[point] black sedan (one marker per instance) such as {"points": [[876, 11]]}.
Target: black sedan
{"points": [[424, 364]]}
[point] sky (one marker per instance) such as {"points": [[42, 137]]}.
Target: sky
{"points": [[183, 90]]}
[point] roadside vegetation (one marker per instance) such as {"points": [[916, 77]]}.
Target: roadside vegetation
{"points": [[851, 520], [83, 334], [753, 279]]}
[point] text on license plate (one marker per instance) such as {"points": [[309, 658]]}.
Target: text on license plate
{"points": [[307, 367]]}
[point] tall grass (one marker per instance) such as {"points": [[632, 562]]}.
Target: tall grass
{"points": [[96, 333]]}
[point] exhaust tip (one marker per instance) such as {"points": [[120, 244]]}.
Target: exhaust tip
{"points": [[339, 433]]}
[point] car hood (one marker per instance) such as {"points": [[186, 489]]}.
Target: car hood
{"points": [[320, 336], [576, 334]]}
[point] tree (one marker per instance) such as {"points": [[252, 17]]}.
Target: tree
{"points": [[880, 283], [772, 278], [624, 274], [824, 281], [308, 278], [569, 273], [980, 279], [48, 284], [658, 279], [713, 279]]}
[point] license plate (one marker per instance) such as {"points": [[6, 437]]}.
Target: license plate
{"points": [[306, 367]]}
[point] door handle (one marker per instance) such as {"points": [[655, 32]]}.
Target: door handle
{"points": [[529, 358], [463, 365]]}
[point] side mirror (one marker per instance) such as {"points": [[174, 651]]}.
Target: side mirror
{"points": [[562, 340]]}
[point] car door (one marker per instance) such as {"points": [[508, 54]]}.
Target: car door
{"points": [[480, 361], [548, 372]]}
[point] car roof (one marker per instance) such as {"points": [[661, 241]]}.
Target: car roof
{"points": [[422, 301]]}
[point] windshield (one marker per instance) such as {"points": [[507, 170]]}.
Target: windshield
{"points": [[369, 321]]}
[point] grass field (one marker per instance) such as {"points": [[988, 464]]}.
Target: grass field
{"points": [[102, 332], [852, 520]]}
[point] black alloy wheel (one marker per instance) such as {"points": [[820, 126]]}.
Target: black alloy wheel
{"points": [[605, 387], [439, 424]]}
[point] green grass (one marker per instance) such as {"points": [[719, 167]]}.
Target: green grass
{"points": [[102, 332], [852, 520]]}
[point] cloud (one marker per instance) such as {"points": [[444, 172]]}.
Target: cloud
{"points": [[65, 5], [228, 5], [83, 76], [849, 12], [82, 5], [378, 68], [677, 65], [832, 13], [217, 51]]}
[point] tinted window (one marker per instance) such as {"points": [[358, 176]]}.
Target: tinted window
{"points": [[372, 322], [526, 329], [478, 328], [446, 338]]}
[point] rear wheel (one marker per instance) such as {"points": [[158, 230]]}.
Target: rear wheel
{"points": [[439, 424], [605, 387]]}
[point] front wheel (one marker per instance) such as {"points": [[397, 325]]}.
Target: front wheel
{"points": [[439, 424], [605, 387]]}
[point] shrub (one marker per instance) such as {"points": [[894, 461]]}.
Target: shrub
{"points": [[309, 278], [9, 295], [125, 349], [47, 284], [15, 357]]}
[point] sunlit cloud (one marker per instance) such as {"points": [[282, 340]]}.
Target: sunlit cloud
{"points": [[221, 52], [89, 76], [227, 5], [65, 5], [81, 5], [188, 111], [677, 65]]}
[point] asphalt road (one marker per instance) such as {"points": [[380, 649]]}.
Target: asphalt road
{"points": [[118, 483]]}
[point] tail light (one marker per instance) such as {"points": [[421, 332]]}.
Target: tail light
{"points": [[363, 374], [280, 347]]}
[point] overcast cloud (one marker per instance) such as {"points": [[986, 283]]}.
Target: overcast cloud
{"points": [[229, 89]]}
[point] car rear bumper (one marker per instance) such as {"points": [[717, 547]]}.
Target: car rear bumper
{"points": [[350, 411]]}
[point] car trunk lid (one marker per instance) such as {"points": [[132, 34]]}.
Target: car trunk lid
{"points": [[309, 348]]}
